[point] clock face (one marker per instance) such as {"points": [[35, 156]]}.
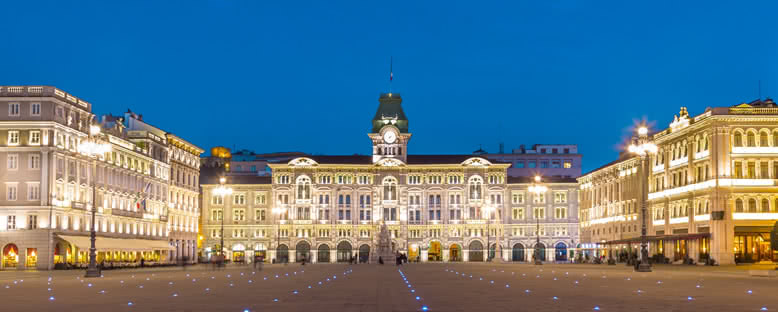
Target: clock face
{"points": [[390, 137]]}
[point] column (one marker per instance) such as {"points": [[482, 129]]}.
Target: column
{"points": [[721, 225]]}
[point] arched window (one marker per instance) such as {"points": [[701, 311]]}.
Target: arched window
{"points": [[765, 205], [390, 188], [738, 139], [304, 187], [752, 205], [763, 139], [738, 205], [475, 184], [751, 139]]}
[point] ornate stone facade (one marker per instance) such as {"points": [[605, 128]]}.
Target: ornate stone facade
{"points": [[436, 207]]}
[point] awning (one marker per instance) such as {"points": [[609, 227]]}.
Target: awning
{"points": [[637, 240], [116, 244]]}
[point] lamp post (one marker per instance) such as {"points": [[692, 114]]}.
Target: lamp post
{"points": [[537, 188], [488, 211], [642, 146], [223, 192], [92, 147], [278, 211]]}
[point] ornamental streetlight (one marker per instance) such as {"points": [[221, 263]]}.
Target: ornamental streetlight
{"points": [[279, 210], [642, 146], [223, 192], [537, 189], [93, 148], [488, 212]]}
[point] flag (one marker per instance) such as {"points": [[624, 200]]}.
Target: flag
{"points": [[140, 203]]}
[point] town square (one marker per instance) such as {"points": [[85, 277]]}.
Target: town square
{"points": [[235, 155]]}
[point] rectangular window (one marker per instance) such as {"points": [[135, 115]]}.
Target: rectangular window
{"points": [[239, 199], [11, 191], [238, 214], [532, 164], [13, 162], [556, 164], [35, 138], [260, 199], [568, 164], [13, 109], [32, 222], [764, 170], [13, 137], [738, 169], [11, 223], [33, 191], [519, 164], [35, 109], [544, 164]]}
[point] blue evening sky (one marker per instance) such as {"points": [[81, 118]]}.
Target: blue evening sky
{"points": [[305, 76]]}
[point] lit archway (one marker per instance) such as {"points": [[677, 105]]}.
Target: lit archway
{"points": [[323, 255], [518, 252], [476, 251]]}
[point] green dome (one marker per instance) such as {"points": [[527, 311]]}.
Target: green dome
{"points": [[390, 107]]}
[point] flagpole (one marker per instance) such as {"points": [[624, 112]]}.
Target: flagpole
{"points": [[391, 73]]}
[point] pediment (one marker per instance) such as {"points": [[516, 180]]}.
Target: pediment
{"points": [[302, 162], [476, 162]]}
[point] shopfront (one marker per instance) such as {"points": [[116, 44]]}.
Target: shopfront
{"points": [[752, 244], [238, 253], [10, 256]]}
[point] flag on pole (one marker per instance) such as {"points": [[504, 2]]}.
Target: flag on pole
{"points": [[391, 74], [140, 203]]}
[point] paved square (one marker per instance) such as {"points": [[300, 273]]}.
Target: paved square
{"points": [[439, 287]]}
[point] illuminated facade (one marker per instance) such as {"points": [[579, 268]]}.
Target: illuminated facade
{"points": [[712, 191], [47, 183], [436, 207]]}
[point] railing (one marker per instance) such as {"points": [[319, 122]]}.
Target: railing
{"points": [[127, 213]]}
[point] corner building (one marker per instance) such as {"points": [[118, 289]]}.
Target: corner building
{"points": [[436, 207], [47, 184], [712, 189]]}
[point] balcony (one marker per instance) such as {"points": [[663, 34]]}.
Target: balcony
{"points": [[127, 213]]}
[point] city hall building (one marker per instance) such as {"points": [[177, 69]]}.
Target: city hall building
{"points": [[145, 186], [712, 190], [436, 207]]}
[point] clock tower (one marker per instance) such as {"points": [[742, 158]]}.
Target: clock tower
{"points": [[390, 129]]}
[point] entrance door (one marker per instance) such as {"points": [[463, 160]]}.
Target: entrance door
{"points": [[454, 253], [434, 253], [364, 253], [680, 249], [282, 254], [560, 252], [476, 253], [302, 251], [323, 255], [540, 252], [518, 252], [344, 251]]}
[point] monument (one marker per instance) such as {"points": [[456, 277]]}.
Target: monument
{"points": [[384, 248]]}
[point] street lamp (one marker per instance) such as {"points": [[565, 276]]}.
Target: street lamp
{"points": [[278, 211], [93, 148], [536, 188], [488, 211], [642, 146], [222, 191]]}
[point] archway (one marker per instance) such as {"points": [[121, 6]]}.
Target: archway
{"points": [[476, 251], [260, 252], [282, 254], [364, 253], [435, 252], [540, 252], [492, 251], [344, 251], [10, 256], [302, 252], [323, 255], [518, 252], [560, 252], [454, 253]]}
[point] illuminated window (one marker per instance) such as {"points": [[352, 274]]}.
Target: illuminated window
{"points": [[568, 164]]}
